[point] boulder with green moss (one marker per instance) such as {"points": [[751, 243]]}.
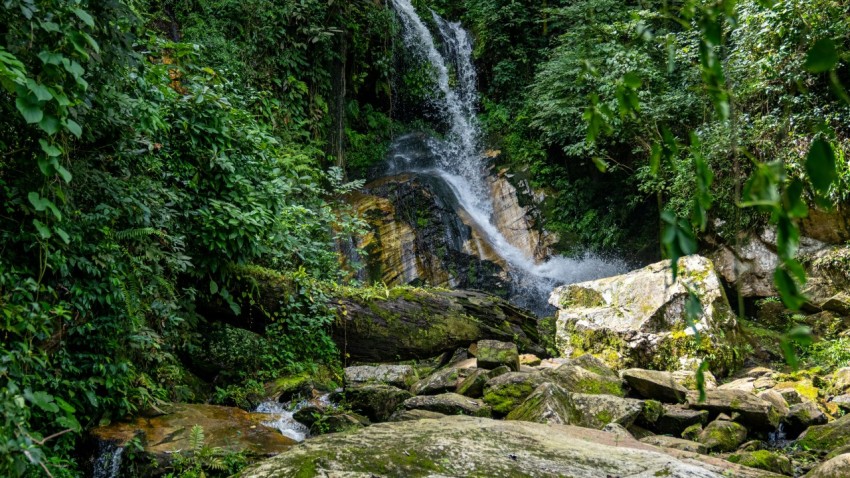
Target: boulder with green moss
{"points": [[492, 354], [838, 467], [441, 381], [377, 402], [506, 392], [549, 403], [576, 379], [802, 416], [675, 419], [655, 384], [825, 438], [751, 410], [764, 460], [465, 446], [473, 384], [448, 404], [722, 435], [400, 376], [596, 411], [639, 319]]}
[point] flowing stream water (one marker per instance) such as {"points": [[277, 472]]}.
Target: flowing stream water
{"points": [[458, 159]]}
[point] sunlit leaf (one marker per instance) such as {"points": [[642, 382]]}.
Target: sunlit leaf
{"points": [[820, 165], [822, 56]]}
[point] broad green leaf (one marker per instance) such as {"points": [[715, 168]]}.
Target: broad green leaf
{"points": [[64, 173], [29, 108], [600, 163], [49, 124], [40, 91], [788, 290], [632, 80], [213, 287], [42, 229], [84, 16], [74, 128], [41, 400], [49, 149], [794, 203], [822, 56], [820, 165], [63, 235], [50, 58]]}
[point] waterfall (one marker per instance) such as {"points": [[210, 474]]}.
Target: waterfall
{"points": [[457, 159], [108, 462]]}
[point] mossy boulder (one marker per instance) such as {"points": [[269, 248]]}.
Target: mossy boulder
{"points": [[549, 403], [285, 389], [400, 376], [752, 411], [596, 411], [638, 319], [802, 416], [825, 438], [411, 415], [492, 354], [473, 384], [448, 404], [675, 443], [377, 402], [656, 385], [441, 381], [577, 379], [675, 419], [838, 467], [465, 446], [721, 435], [506, 392], [764, 460]]}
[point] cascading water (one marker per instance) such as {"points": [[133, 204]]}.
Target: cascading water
{"points": [[108, 463], [458, 160]]}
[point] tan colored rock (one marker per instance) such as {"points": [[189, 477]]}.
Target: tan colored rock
{"points": [[675, 443], [838, 467]]}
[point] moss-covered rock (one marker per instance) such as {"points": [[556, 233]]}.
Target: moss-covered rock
{"points": [[692, 432], [576, 379], [752, 411], [377, 402], [838, 467], [492, 354], [825, 438], [596, 411], [655, 385], [549, 403], [506, 392], [638, 319], [675, 443], [401, 376], [448, 404], [721, 435], [441, 381], [473, 385], [802, 416], [764, 460], [675, 419]]}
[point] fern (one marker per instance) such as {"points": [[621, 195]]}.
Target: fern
{"points": [[196, 439]]}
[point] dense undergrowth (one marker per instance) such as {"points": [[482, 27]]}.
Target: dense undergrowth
{"points": [[150, 150]]}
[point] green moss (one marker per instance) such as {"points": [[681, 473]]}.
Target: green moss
{"points": [[764, 460], [506, 397]]}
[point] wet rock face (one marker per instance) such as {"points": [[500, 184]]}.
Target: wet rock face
{"points": [[639, 319], [419, 237]]}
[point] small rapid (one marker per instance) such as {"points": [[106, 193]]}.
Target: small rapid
{"points": [[457, 160], [281, 416]]}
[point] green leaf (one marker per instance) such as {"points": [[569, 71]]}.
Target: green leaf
{"points": [[29, 108], [788, 290], [42, 400], [63, 235], [49, 149], [632, 80], [820, 165], [49, 124], [213, 287], [74, 128], [40, 91], [600, 163], [84, 16], [50, 58], [64, 173], [822, 56], [42, 229], [794, 203]]}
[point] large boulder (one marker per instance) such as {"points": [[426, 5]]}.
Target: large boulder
{"points": [[802, 416], [764, 460], [376, 402], [577, 379], [639, 319], [675, 419], [825, 438], [464, 446], [448, 404], [227, 428], [441, 381], [675, 443], [655, 384], [400, 376], [838, 467], [721, 435], [596, 411], [548, 403], [750, 409], [828, 285], [492, 354], [506, 392]]}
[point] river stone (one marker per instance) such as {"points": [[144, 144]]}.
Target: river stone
{"points": [[828, 279], [400, 376], [409, 415], [655, 384], [506, 392], [338, 421], [753, 411], [530, 360], [441, 381], [827, 437], [802, 416], [721, 435], [838, 467], [448, 404], [596, 411], [842, 401], [675, 419], [492, 354], [573, 378], [841, 381], [473, 385], [764, 460], [377, 402], [638, 319], [464, 446], [549, 403], [228, 428], [777, 400], [675, 443]]}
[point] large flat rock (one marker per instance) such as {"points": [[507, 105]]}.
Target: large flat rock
{"points": [[466, 446]]}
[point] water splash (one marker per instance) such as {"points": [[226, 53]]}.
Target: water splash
{"points": [[457, 160], [282, 416], [109, 457]]}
